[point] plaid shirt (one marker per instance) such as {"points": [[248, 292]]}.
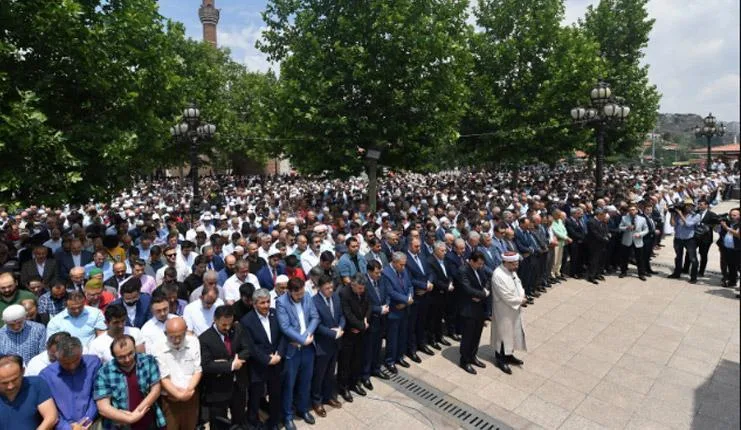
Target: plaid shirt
{"points": [[111, 382], [50, 305]]}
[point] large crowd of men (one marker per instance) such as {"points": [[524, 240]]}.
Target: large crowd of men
{"points": [[278, 297]]}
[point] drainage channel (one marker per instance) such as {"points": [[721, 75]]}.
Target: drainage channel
{"points": [[465, 415]]}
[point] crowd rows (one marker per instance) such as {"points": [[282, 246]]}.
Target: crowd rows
{"points": [[279, 296]]}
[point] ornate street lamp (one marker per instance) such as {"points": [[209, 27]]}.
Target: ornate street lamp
{"points": [[372, 155], [710, 129], [604, 108], [193, 131]]}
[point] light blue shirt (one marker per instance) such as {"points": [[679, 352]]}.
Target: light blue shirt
{"points": [[728, 241], [82, 326], [685, 230], [107, 269]]}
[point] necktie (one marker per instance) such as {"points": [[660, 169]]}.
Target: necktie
{"points": [[274, 275], [228, 344], [329, 305], [419, 263], [442, 266]]}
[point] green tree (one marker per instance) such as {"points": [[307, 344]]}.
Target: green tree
{"points": [[622, 27], [362, 73], [96, 80], [529, 71]]}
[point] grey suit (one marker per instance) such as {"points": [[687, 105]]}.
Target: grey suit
{"points": [[633, 226]]}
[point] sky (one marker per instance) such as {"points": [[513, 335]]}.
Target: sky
{"points": [[693, 53]]}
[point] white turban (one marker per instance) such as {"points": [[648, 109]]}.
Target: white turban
{"points": [[14, 313], [511, 256]]}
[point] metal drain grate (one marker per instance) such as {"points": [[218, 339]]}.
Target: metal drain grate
{"points": [[465, 415]]}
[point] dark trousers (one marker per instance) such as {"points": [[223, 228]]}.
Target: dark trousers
{"points": [[702, 249], [372, 345], [730, 262], [417, 332], [648, 249], [396, 336], [469, 348], [297, 372], [272, 385], [410, 347], [637, 253], [453, 323], [219, 413], [596, 260], [435, 316], [351, 359], [526, 272], [690, 246], [323, 382], [576, 263]]}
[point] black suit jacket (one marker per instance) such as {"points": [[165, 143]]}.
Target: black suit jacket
{"points": [[259, 346], [440, 280], [28, 271], [710, 219], [575, 230], [356, 309], [470, 288], [597, 234], [219, 380], [65, 263]]}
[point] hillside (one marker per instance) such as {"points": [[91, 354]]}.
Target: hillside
{"points": [[679, 128]]}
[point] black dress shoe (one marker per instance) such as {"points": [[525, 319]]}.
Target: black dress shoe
{"points": [[444, 342], [368, 384], [380, 375], [308, 418], [468, 368], [511, 359], [524, 305], [392, 369], [346, 395], [593, 281], [641, 277], [621, 275], [504, 367], [358, 390], [456, 337], [600, 277], [426, 350], [693, 281], [673, 276], [530, 300], [403, 363], [436, 346], [415, 358], [289, 425], [478, 363], [535, 294]]}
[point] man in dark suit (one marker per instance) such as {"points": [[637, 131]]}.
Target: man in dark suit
{"points": [[475, 290], [114, 283], [708, 219], [379, 304], [576, 229], [356, 309], [135, 302], [597, 239], [419, 276], [650, 239], [376, 253], [442, 284], [269, 272], [395, 281], [455, 260], [328, 334], [223, 355], [76, 257], [267, 347], [40, 265]]}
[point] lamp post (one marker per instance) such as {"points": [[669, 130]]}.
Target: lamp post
{"points": [[192, 131], [372, 155], [710, 129], [604, 108]]}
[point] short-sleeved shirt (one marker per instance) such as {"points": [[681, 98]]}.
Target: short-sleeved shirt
{"points": [[101, 345], [23, 411], [179, 364], [27, 343], [82, 326], [111, 383]]}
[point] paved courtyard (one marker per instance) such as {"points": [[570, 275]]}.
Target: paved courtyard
{"points": [[623, 354]]}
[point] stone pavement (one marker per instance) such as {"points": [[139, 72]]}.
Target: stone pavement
{"points": [[623, 354]]}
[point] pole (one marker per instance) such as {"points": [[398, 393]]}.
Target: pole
{"points": [[599, 168], [372, 183], [194, 174], [709, 138]]}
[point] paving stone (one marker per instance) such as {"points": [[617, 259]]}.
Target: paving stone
{"points": [[603, 413], [541, 412], [575, 379], [578, 422], [560, 395], [618, 395]]}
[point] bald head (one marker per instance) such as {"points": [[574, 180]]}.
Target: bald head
{"points": [[77, 275], [175, 329]]}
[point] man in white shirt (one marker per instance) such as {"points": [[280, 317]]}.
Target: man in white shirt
{"points": [[153, 331], [179, 360], [310, 257], [40, 361], [115, 317], [171, 257], [199, 315], [241, 275]]}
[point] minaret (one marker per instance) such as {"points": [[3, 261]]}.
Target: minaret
{"points": [[209, 16]]}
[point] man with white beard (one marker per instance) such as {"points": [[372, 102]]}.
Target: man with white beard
{"points": [[507, 334]]}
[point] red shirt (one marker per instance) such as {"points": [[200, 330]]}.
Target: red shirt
{"points": [[135, 399], [106, 299]]}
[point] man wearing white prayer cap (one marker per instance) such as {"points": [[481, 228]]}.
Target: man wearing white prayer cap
{"points": [[20, 337], [507, 333]]}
